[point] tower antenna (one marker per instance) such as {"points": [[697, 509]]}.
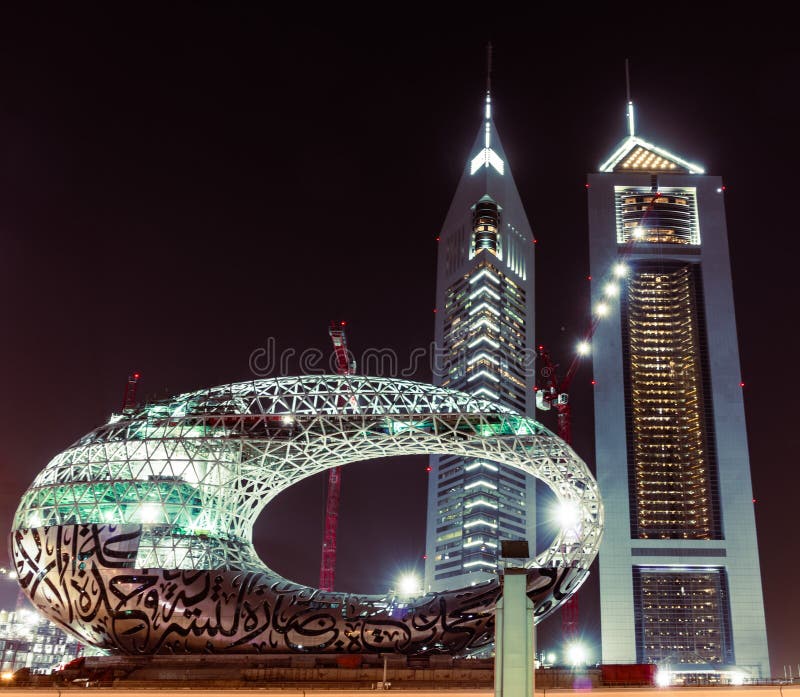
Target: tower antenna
{"points": [[489, 67], [630, 101]]}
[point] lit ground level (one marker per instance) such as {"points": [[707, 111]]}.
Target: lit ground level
{"points": [[340, 675], [742, 691]]}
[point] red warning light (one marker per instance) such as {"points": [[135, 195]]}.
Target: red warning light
{"points": [[724, 187], [428, 468], [136, 376], [594, 382], [588, 278], [424, 556], [434, 309], [536, 388], [535, 240], [586, 185], [741, 384], [755, 500], [437, 239], [343, 323]]}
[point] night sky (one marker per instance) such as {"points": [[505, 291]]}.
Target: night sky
{"points": [[179, 185]]}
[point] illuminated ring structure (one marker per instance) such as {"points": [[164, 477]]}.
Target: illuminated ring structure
{"points": [[138, 538]]}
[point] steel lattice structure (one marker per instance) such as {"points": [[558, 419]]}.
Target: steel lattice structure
{"points": [[174, 489]]}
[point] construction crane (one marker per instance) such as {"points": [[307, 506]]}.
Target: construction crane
{"points": [[345, 365], [552, 392], [129, 398]]}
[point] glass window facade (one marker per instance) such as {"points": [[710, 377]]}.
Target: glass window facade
{"points": [[480, 503], [672, 468], [667, 216], [682, 615]]}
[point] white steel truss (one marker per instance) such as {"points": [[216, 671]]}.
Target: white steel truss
{"points": [[196, 470]]}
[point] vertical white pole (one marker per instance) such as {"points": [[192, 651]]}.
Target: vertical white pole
{"points": [[499, 613], [514, 640]]}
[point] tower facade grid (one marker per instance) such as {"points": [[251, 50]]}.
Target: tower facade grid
{"points": [[484, 336]]}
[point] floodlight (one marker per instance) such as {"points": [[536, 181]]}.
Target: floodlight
{"points": [[577, 655], [568, 515], [408, 585], [149, 513]]}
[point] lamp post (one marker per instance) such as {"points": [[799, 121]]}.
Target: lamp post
{"points": [[515, 644]]}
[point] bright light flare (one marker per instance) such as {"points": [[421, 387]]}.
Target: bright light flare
{"points": [[408, 585], [611, 290], [663, 678], [737, 678], [601, 309], [7, 675], [568, 515], [30, 618], [577, 655], [551, 658], [620, 270], [149, 513], [584, 347], [638, 232]]}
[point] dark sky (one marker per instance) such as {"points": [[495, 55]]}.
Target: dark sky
{"points": [[179, 182]]}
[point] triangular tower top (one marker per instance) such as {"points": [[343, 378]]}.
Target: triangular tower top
{"points": [[486, 170], [487, 177], [636, 155], [487, 151]]}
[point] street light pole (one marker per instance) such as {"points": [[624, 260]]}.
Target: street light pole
{"points": [[514, 628]]}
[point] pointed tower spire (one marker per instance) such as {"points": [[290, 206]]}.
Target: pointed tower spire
{"points": [[488, 117], [634, 154], [487, 155], [489, 68], [631, 125]]}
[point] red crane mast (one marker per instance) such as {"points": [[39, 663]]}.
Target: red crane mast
{"points": [[129, 398], [552, 392], [327, 568]]}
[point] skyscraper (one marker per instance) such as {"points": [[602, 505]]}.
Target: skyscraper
{"points": [[485, 340], [679, 570]]}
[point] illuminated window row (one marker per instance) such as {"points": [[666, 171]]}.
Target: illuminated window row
{"points": [[682, 617], [670, 218], [671, 481]]}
